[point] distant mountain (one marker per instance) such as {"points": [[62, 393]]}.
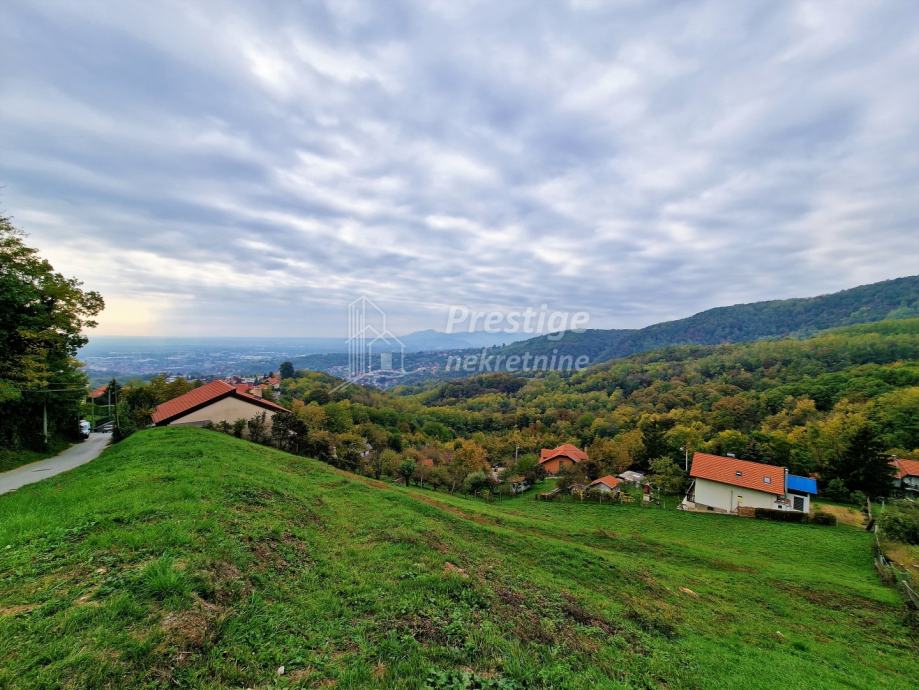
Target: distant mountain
{"points": [[890, 299], [431, 340]]}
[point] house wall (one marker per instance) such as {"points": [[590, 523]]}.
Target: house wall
{"points": [[555, 465], [909, 482], [227, 409], [724, 496]]}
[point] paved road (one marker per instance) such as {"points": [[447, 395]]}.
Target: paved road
{"points": [[74, 456]]}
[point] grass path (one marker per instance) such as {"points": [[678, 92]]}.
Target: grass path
{"points": [[185, 558]]}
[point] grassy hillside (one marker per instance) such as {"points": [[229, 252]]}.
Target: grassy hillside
{"points": [[184, 557]]}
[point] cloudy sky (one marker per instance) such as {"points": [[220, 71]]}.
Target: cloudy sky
{"points": [[249, 168]]}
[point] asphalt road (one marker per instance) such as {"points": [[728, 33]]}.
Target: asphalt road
{"points": [[77, 454]]}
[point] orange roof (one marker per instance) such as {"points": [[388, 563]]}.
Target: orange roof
{"points": [[99, 392], [205, 395], [609, 480], [905, 468], [566, 450], [743, 473]]}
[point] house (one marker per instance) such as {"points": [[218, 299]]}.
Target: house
{"points": [[553, 460], [632, 477], [518, 484], [214, 402], [906, 474], [99, 392], [724, 484], [605, 485]]}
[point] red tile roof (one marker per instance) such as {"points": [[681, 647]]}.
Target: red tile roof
{"points": [[743, 473], [609, 480], [566, 450], [99, 392], [905, 468], [204, 395]]}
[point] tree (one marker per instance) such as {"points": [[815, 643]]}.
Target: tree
{"points": [[287, 370], [667, 475], [349, 450], [258, 427], [863, 465], [406, 470], [42, 318]]}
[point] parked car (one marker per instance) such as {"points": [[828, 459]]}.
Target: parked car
{"points": [[84, 428]]}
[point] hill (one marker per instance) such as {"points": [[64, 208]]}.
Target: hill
{"points": [[889, 299], [185, 557]]}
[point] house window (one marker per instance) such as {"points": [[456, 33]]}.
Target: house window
{"points": [[767, 480], [739, 473]]}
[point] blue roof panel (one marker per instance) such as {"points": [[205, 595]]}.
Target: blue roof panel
{"points": [[803, 484]]}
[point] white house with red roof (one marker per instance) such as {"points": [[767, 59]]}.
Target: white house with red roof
{"points": [[214, 402], [906, 474], [724, 484], [605, 485]]}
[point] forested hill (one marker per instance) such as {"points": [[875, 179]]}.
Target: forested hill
{"points": [[889, 299]]}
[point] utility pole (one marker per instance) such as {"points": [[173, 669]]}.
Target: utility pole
{"points": [[685, 450], [44, 420]]}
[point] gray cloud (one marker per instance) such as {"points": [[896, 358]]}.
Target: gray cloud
{"points": [[240, 169]]}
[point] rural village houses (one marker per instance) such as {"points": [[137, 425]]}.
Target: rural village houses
{"points": [[724, 484], [906, 475], [554, 460]]}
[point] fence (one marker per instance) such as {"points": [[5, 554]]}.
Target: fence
{"points": [[890, 574]]}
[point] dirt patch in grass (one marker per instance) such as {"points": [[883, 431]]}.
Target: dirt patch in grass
{"points": [[10, 611], [833, 600], [846, 515]]}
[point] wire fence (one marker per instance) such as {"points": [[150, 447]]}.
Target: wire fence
{"points": [[889, 572]]}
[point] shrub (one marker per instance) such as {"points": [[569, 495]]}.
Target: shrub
{"points": [[900, 522], [823, 518], [779, 515]]}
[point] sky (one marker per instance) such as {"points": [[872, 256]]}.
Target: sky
{"points": [[251, 168]]}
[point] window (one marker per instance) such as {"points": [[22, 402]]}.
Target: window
{"points": [[767, 480], [739, 473]]}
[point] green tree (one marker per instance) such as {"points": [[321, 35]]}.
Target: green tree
{"points": [[287, 370], [406, 470], [667, 475], [42, 317]]}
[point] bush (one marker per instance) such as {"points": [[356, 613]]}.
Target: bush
{"points": [[822, 518], [779, 515], [900, 522]]}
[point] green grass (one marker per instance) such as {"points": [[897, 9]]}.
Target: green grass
{"points": [[11, 459], [186, 558]]}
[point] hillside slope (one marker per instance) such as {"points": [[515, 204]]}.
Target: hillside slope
{"points": [[184, 557], [742, 322]]}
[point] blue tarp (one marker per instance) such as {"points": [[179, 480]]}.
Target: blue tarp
{"points": [[805, 485]]}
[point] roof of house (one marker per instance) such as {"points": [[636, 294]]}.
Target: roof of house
{"points": [[905, 468], [743, 473], [566, 450], [806, 485], [631, 476], [99, 392], [203, 396], [609, 480]]}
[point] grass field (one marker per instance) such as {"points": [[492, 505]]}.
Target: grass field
{"points": [[187, 558]]}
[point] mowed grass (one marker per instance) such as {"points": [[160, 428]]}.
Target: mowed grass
{"points": [[186, 558]]}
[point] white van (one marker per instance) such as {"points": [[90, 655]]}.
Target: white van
{"points": [[84, 428]]}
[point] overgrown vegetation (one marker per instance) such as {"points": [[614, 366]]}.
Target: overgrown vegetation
{"points": [[188, 558]]}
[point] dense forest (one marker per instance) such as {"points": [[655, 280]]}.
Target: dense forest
{"points": [[834, 405]]}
